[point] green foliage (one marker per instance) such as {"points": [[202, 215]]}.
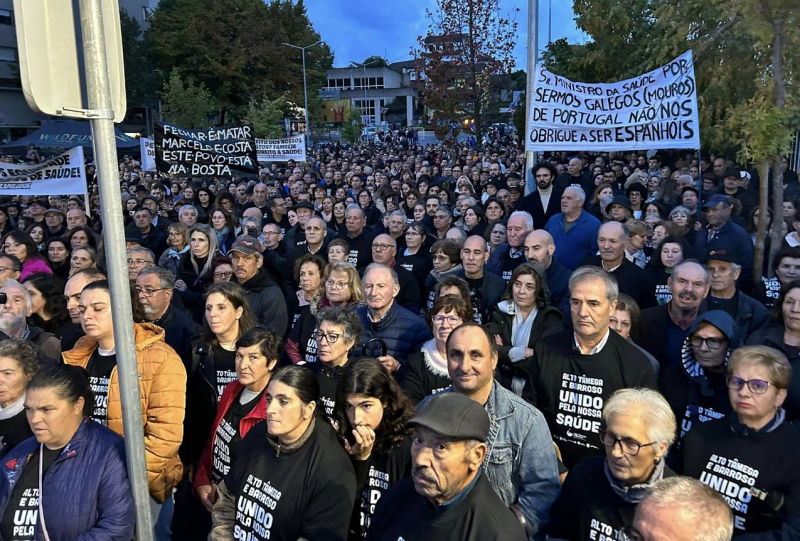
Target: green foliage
{"points": [[187, 106], [142, 82], [351, 128], [266, 117], [234, 48], [374, 61]]}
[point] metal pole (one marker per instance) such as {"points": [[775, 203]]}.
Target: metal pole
{"points": [[305, 95], [533, 54], [105, 152]]}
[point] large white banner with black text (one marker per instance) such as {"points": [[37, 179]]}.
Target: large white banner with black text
{"points": [[655, 110], [281, 150], [63, 175]]}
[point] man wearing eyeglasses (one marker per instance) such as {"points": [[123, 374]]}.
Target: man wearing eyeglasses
{"points": [[138, 258], [10, 268], [696, 389], [384, 252], [155, 287]]}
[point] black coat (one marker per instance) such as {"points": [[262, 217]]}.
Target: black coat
{"points": [[632, 280], [179, 330], [532, 204], [549, 320]]}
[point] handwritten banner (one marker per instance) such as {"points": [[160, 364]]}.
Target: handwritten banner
{"points": [[63, 175], [205, 153], [281, 150], [655, 110]]}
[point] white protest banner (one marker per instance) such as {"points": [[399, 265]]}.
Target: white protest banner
{"points": [[205, 153], [655, 110], [281, 150], [148, 148], [63, 175]]}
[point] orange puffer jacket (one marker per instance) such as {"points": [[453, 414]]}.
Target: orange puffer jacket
{"points": [[162, 390]]}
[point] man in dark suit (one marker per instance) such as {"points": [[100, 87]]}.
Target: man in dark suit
{"points": [[545, 201]]}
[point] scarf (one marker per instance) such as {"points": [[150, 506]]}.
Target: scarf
{"points": [[12, 409], [221, 236], [636, 493], [433, 359], [741, 429], [520, 329]]}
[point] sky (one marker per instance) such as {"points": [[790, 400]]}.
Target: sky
{"points": [[389, 28]]}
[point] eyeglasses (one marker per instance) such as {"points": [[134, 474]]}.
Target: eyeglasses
{"points": [[628, 446], [381, 247], [336, 285], [138, 262], [440, 257], [148, 292], [330, 337], [174, 234], [711, 343], [4, 269], [452, 320], [756, 386], [222, 274]]}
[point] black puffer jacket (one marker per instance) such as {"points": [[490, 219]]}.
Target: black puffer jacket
{"points": [[267, 302]]}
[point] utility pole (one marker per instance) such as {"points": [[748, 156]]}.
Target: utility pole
{"points": [[533, 55], [101, 114], [305, 88]]}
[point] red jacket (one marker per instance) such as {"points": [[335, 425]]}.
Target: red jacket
{"points": [[258, 414]]}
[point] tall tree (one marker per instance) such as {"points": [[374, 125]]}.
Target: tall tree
{"points": [[187, 106], [234, 48], [467, 43], [265, 116], [142, 82]]}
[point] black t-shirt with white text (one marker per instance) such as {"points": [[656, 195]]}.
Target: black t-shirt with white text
{"points": [[476, 297], [99, 369], [22, 512], [224, 369], [227, 437]]}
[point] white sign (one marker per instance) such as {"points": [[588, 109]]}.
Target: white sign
{"points": [[148, 148], [63, 175], [655, 110], [281, 150]]}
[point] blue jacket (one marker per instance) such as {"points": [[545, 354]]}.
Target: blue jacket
{"points": [[579, 242], [86, 494], [401, 330], [521, 462], [495, 263]]}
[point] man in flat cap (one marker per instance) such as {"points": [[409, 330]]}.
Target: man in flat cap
{"points": [[447, 496]]}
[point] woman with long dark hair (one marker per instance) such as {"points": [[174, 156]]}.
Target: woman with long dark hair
{"points": [[371, 412], [213, 364], [21, 245], [521, 320], [225, 229], [57, 252], [301, 474], [48, 304]]}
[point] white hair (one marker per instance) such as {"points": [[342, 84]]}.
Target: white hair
{"points": [[525, 216], [711, 517], [579, 193], [649, 406], [27, 294], [589, 273]]}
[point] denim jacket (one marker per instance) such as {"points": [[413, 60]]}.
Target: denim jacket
{"points": [[521, 461]]}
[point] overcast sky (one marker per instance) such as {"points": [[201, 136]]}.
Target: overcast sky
{"points": [[389, 28]]}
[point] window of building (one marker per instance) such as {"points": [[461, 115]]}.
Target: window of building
{"points": [[5, 17], [9, 54]]}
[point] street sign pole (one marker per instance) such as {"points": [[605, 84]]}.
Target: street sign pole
{"points": [[533, 54], [100, 112]]}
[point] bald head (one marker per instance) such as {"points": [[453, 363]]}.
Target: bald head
{"points": [[539, 247], [574, 167]]}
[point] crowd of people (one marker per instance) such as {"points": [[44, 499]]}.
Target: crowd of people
{"points": [[390, 341]]}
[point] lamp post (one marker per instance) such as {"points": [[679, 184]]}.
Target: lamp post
{"points": [[305, 90], [364, 84]]}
